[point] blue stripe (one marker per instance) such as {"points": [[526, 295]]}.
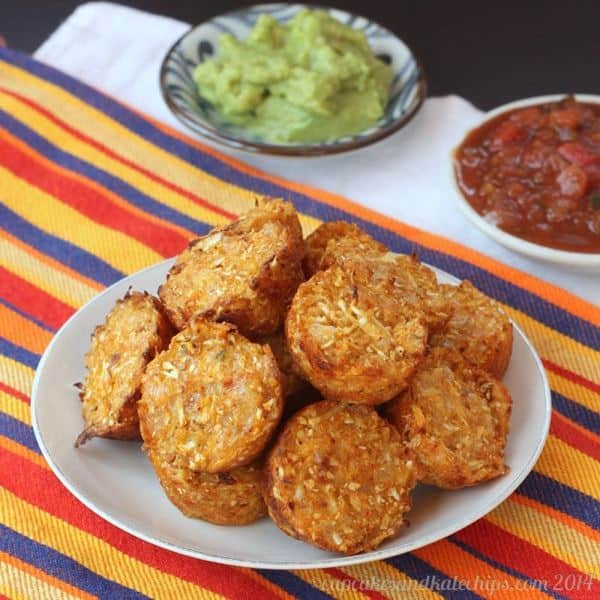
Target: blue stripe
{"points": [[70, 255], [62, 567], [293, 584], [535, 583], [540, 309], [562, 497], [25, 315], [18, 432], [18, 353], [577, 412], [429, 577], [114, 184]]}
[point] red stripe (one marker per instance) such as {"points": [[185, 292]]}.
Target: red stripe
{"points": [[89, 200], [531, 561], [354, 585], [13, 392], [39, 487], [574, 377], [32, 300], [99, 146], [561, 428]]}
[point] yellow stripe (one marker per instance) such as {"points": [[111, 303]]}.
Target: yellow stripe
{"points": [[62, 589], [386, 573], [573, 391], [232, 198], [16, 583], [40, 274], [548, 534], [390, 581], [575, 524], [15, 407], [127, 144], [93, 553], [559, 348], [15, 374], [23, 452], [12, 594], [309, 223], [328, 584], [159, 161], [570, 466], [55, 217]]}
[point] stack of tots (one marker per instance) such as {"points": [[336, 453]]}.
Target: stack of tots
{"points": [[314, 380]]}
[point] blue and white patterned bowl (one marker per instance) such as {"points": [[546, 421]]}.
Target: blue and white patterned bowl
{"points": [[201, 43]]}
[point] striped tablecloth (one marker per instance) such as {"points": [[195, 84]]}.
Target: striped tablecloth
{"points": [[91, 191]]}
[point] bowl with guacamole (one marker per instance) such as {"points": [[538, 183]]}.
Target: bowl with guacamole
{"points": [[292, 79]]}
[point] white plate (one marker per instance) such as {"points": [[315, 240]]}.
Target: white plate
{"points": [[115, 480], [578, 260]]}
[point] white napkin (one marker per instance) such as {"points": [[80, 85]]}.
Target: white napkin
{"points": [[119, 50]]}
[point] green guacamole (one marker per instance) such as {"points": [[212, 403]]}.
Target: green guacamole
{"points": [[310, 80]]}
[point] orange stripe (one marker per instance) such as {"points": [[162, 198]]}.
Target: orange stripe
{"points": [[38, 460], [573, 377], [561, 428], [23, 332], [51, 262], [93, 185], [42, 576], [43, 181], [23, 452], [464, 567], [554, 294], [594, 437], [563, 518], [42, 492], [274, 589], [116, 156]]}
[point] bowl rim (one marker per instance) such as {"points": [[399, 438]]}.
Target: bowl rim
{"points": [[298, 150], [538, 251]]}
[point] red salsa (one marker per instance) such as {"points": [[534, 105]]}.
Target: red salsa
{"points": [[535, 173]]}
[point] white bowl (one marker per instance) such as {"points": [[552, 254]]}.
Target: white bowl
{"points": [[578, 260], [181, 95]]}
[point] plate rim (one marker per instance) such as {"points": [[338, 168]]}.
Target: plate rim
{"points": [[582, 260], [335, 560], [298, 150]]}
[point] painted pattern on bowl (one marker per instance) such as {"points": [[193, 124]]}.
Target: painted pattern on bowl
{"points": [[200, 44]]}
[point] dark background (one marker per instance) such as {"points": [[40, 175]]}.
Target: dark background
{"points": [[490, 52]]}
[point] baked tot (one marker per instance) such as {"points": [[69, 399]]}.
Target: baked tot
{"points": [[407, 279], [245, 273], [405, 276], [228, 498], [291, 377], [211, 401], [339, 477], [337, 238], [134, 331], [479, 329], [353, 343], [455, 419]]}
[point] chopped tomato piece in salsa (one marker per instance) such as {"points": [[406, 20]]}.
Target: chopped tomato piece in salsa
{"points": [[535, 173]]}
